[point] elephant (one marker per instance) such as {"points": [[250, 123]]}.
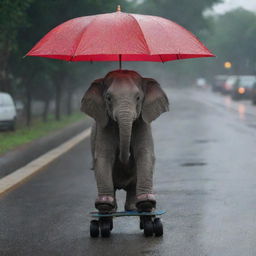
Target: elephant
{"points": [[123, 104]]}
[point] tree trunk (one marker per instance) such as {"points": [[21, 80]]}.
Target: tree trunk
{"points": [[5, 84], [69, 101], [57, 100], [46, 110], [28, 104]]}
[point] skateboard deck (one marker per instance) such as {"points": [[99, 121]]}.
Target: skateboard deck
{"points": [[127, 213]]}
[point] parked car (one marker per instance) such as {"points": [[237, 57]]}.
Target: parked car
{"points": [[254, 94], [219, 82], [7, 112], [229, 84], [243, 87]]}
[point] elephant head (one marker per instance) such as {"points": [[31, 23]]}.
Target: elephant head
{"points": [[124, 96]]}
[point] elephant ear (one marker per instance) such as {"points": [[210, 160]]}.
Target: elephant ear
{"points": [[155, 100], [93, 103]]}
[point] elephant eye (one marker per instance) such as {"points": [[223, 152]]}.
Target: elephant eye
{"points": [[138, 98], [108, 97]]}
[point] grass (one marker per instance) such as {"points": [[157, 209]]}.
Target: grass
{"points": [[23, 135]]}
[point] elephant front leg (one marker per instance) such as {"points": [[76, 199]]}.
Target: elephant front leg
{"points": [[145, 166], [105, 148], [145, 199], [145, 160], [103, 175], [105, 202]]}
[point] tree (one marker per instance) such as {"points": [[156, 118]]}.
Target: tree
{"points": [[189, 14], [233, 39], [12, 17]]}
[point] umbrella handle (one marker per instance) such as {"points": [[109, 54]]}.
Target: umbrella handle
{"points": [[120, 61]]}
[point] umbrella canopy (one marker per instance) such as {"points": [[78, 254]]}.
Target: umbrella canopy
{"points": [[119, 36]]}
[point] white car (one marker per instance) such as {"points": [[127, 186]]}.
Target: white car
{"points": [[7, 112]]}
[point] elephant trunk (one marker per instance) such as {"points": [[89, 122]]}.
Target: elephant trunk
{"points": [[125, 121]]}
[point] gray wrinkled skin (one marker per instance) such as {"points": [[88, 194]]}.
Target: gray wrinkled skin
{"points": [[123, 105]]}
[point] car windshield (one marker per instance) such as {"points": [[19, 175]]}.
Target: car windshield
{"points": [[221, 78], [5, 100], [247, 81], [1, 100], [231, 80]]}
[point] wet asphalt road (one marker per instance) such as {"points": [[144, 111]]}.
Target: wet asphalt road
{"points": [[205, 178]]}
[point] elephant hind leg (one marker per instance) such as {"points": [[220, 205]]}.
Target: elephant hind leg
{"points": [[93, 141], [130, 202]]}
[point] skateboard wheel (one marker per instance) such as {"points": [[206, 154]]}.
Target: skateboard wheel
{"points": [[141, 222], [141, 225], [105, 228], [111, 224], [158, 227], [94, 228], [148, 228]]}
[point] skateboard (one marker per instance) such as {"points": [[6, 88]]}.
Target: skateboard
{"points": [[149, 222]]}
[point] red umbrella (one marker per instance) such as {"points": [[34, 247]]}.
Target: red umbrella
{"points": [[119, 36]]}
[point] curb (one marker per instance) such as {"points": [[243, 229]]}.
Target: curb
{"points": [[19, 176], [24, 154]]}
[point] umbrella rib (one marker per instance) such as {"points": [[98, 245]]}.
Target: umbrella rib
{"points": [[161, 58], [164, 30], [145, 41], [81, 36]]}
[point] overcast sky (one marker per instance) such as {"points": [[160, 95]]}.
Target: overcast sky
{"points": [[231, 4]]}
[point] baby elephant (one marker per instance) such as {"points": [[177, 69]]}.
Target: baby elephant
{"points": [[123, 105]]}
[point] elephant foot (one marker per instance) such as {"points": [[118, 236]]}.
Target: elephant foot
{"points": [[106, 204], [146, 202]]}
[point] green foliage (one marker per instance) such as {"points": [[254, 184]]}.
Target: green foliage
{"points": [[233, 37], [186, 13], [13, 17]]}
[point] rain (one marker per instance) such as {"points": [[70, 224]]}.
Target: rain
{"points": [[180, 180]]}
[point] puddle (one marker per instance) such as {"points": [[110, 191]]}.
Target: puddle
{"points": [[191, 164], [204, 141]]}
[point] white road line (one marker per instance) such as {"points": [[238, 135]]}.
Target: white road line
{"points": [[18, 176]]}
